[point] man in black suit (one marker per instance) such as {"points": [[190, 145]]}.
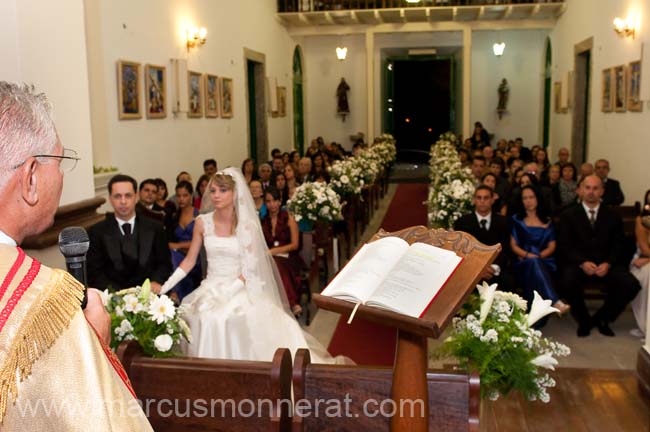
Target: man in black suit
{"points": [[613, 195], [590, 238], [489, 228], [125, 248]]}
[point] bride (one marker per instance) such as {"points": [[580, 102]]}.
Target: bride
{"points": [[240, 310]]}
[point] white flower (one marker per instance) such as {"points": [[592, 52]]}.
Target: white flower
{"points": [[124, 328], [345, 179], [539, 309], [490, 336], [545, 360], [105, 296], [118, 311], [487, 297], [132, 303], [163, 343], [162, 309]]}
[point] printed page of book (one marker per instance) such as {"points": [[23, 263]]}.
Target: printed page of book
{"points": [[366, 270], [415, 280]]}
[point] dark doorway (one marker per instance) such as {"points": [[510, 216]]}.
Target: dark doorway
{"points": [[421, 102], [579, 135]]}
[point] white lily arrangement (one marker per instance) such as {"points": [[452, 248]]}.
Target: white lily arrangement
{"points": [[316, 202], [152, 320], [495, 336], [452, 187]]}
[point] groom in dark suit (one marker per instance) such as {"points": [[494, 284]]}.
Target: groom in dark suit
{"points": [[590, 240], [489, 228], [125, 248]]}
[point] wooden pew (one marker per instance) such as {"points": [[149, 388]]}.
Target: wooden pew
{"points": [[209, 386], [454, 399]]}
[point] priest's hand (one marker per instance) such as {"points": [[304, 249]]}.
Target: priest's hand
{"points": [[97, 316]]}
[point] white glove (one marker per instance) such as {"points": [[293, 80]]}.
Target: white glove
{"points": [[178, 275]]}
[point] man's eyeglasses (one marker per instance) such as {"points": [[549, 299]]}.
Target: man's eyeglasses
{"points": [[68, 160]]}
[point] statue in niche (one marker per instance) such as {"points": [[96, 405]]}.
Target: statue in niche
{"points": [[342, 106], [504, 94]]}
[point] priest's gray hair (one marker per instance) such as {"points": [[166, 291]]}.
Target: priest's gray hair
{"points": [[26, 127]]}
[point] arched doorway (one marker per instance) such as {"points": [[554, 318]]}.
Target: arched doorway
{"points": [[298, 115], [547, 92]]}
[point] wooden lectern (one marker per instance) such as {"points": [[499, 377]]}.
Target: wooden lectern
{"points": [[410, 367]]}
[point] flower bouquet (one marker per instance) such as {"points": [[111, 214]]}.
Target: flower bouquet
{"points": [[369, 164], [315, 202], [346, 177], [152, 320], [494, 336], [384, 147]]}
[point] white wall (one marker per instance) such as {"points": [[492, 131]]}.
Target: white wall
{"points": [[620, 137], [42, 42], [150, 31], [522, 65]]}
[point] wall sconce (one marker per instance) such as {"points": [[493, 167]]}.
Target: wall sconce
{"points": [[624, 27], [196, 37], [341, 53], [498, 49]]}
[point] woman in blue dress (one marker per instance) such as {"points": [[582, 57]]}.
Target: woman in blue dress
{"points": [[180, 228], [533, 242]]}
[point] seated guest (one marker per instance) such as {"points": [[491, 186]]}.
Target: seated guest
{"points": [[180, 227], [286, 159], [318, 169], [465, 159], [478, 168], [563, 156], [125, 248], [313, 148], [161, 198], [613, 194], [503, 187], [488, 153], [294, 158], [554, 174], [590, 238], [640, 267], [480, 138], [201, 185], [489, 228], [275, 153], [258, 198], [292, 182], [264, 173], [282, 238], [148, 193], [564, 191], [533, 242], [209, 167], [280, 184], [248, 169], [182, 176], [586, 169], [490, 180], [277, 164], [304, 170]]}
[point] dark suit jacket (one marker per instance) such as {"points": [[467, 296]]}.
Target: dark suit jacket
{"points": [[613, 194], [579, 242], [105, 265], [499, 232]]}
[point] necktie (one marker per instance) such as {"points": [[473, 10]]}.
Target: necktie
{"points": [[592, 217], [126, 228], [483, 224]]}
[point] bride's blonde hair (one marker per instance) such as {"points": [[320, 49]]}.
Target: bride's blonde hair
{"points": [[224, 180]]}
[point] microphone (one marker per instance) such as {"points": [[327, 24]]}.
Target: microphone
{"points": [[73, 244]]}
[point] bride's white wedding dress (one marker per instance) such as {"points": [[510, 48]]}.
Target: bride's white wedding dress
{"points": [[230, 319]]}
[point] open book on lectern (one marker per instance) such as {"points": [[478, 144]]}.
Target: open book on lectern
{"points": [[391, 274]]}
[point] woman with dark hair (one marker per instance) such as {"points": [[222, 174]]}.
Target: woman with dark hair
{"points": [[640, 265], [541, 159], [480, 137], [294, 158], [161, 200], [282, 237], [564, 191], [279, 182], [201, 185], [292, 181], [318, 170], [180, 228], [249, 170], [533, 241], [490, 180]]}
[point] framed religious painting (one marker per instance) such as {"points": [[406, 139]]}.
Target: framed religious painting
{"points": [[155, 91], [607, 102], [226, 99], [194, 94], [634, 87], [619, 89], [128, 90], [211, 96], [282, 101]]}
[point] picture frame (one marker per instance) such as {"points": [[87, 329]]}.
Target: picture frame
{"points": [[607, 101], [128, 90], [155, 91], [194, 94], [557, 96], [225, 97], [282, 101], [634, 87], [618, 94], [211, 96]]}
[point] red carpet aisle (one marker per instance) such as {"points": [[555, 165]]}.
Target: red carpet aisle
{"points": [[364, 342]]}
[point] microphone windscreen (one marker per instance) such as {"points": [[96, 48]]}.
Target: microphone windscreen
{"points": [[73, 241]]}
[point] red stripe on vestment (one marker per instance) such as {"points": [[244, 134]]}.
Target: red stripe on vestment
{"points": [[12, 272], [18, 292]]}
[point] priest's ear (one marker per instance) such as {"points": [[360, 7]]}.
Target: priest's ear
{"points": [[28, 181]]}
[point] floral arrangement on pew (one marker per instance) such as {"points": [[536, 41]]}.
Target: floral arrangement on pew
{"points": [[495, 336], [151, 320], [370, 165], [452, 188], [315, 202], [346, 177], [384, 147]]}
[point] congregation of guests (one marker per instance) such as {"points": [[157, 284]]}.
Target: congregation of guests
{"points": [[558, 230]]}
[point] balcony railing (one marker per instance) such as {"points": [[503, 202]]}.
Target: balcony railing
{"points": [[334, 5]]}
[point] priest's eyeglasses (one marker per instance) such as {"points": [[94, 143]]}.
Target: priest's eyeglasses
{"points": [[68, 160]]}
